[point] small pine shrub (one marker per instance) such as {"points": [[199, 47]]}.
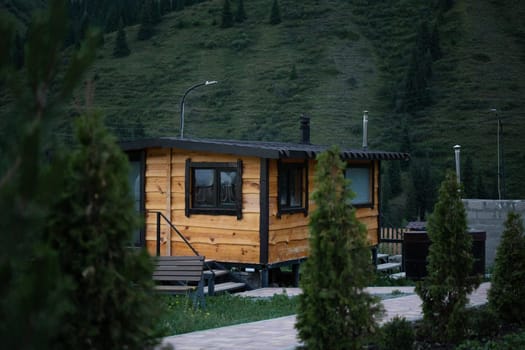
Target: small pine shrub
{"points": [[227, 15], [335, 312], [507, 293], [397, 334], [481, 323], [444, 291], [275, 14]]}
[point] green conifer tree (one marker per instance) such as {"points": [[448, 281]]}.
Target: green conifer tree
{"points": [[275, 14], [240, 14], [335, 312], [32, 289], [91, 227], [146, 29], [293, 73], [394, 176], [507, 293], [468, 178], [444, 291], [227, 15], [121, 48]]}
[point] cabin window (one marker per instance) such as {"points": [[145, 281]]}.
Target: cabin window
{"points": [[361, 184], [293, 189], [136, 183], [214, 188]]}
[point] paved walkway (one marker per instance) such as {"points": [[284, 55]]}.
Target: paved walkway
{"points": [[280, 334]]}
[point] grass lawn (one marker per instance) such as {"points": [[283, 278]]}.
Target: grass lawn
{"points": [[223, 310]]}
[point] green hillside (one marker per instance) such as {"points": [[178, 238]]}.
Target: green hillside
{"points": [[330, 60]]}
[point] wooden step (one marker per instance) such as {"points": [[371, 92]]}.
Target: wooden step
{"points": [[381, 256], [399, 275], [388, 266], [226, 287], [218, 273]]}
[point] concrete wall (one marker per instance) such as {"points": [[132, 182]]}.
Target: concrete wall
{"points": [[489, 216]]}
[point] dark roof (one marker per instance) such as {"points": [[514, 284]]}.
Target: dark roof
{"points": [[263, 149]]}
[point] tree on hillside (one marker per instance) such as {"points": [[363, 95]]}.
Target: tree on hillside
{"points": [[33, 291], [334, 311], [146, 29], [227, 15], [507, 293], [394, 176], [240, 14], [91, 227], [468, 179], [275, 14], [121, 48], [422, 195], [179, 5], [444, 291]]}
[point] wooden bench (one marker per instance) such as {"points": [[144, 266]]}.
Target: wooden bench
{"points": [[181, 275]]}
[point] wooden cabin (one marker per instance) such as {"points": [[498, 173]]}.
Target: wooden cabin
{"points": [[241, 203]]}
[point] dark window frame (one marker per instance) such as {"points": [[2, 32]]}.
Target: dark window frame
{"points": [[371, 183], [283, 169], [217, 167], [140, 156]]}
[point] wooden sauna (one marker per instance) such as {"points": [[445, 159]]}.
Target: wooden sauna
{"points": [[241, 203]]}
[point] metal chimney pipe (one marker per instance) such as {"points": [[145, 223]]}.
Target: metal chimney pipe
{"points": [[365, 130], [457, 151], [305, 130]]}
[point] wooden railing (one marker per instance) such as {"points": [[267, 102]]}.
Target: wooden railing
{"points": [[159, 216], [391, 241]]}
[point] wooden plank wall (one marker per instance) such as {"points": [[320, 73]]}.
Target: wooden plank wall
{"points": [[219, 237], [288, 235]]}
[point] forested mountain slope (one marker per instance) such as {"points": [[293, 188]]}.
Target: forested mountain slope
{"points": [[428, 72]]}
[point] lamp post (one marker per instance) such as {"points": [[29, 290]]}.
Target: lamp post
{"points": [[500, 153], [206, 83], [457, 151]]}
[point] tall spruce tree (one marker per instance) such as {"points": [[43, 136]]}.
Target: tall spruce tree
{"points": [[91, 227], [444, 291], [335, 312], [32, 289], [121, 48], [240, 14], [227, 15], [275, 13], [468, 178], [507, 293], [146, 29]]}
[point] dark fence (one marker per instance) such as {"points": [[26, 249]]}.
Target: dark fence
{"points": [[391, 240]]}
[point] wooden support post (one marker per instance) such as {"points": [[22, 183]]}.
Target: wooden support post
{"points": [[374, 255], [168, 204], [158, 233], [295, 272], [264, 277]]}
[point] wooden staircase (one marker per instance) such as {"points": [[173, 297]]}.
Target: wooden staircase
{"points": [[390, 264], [218, 279]]}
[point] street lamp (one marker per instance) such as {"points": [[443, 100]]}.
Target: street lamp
{"points": [[500, 155], [206, 83], [457, 151]]}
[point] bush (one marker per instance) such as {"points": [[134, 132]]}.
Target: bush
{"points": [[397, 334], [91, 227], [335, 312], [507, 293], [444, 291]]}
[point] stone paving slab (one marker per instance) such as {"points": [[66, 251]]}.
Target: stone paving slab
{"points": [[269, 292], [280, 334]]}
